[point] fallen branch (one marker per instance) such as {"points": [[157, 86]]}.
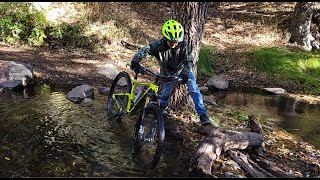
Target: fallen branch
{"points": [[255, 165], [269, 166], [243, 161], [130, 45]]}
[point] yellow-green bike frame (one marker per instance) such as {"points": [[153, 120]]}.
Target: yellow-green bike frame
{"points": [[130, 106]]}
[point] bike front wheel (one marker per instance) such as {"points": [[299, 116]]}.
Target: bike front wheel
{"points": [[117, 101], [148, 136]]}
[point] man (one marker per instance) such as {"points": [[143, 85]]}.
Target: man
{"points": [[174, 58]]}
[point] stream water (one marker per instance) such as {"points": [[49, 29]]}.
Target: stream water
{"points": [[42, 134], [297, 117]]}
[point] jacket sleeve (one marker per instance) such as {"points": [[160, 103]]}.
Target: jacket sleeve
{"points": [[142, 53], [188, 60]]}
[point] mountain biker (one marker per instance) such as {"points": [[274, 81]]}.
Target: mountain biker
{"points": [[174, 58]]}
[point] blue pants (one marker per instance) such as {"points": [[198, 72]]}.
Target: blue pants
{"points": [[193, 90]]}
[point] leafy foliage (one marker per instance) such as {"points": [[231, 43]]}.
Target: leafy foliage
{"points": [[67, 35], [243, 117], [21, 22]]}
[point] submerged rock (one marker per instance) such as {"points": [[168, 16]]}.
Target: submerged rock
{"points": [[80, 93]]}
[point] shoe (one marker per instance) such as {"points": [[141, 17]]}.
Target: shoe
{"points": [[204, 119]]}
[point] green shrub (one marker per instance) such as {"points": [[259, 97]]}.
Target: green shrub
{"points": [[67, 35], [21, 22]]}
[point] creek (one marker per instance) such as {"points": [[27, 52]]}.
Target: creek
{"points": [[42, 134]]}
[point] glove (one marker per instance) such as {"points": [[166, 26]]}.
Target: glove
{"points": [[184, 78], [136, 67]]}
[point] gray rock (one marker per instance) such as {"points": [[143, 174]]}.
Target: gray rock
{"points": [[87, 101], [220, 82], [275, 90], [209, 100], [104, 90], [15, 75], [18, 71], [80, 93], [11, 85], [109, 70], [203, 89]]}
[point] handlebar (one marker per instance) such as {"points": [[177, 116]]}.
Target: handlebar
{"points": [[166, 78], [161, 77]]}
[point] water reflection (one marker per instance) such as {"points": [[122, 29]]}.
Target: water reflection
{"points": [[298, 117], [42, 134]]}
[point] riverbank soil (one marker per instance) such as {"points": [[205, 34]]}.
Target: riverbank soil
{"points": [[232, 37]]}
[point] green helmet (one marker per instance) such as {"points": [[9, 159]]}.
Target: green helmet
{"points": [[173, 31]]}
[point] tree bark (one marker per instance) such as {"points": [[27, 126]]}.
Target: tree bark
{"points": [[220, 141], [300, 26], [192, 15], [243, 160]]}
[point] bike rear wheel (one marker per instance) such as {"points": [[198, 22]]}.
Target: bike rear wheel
{"points": [[116, 107], [148, 136]]}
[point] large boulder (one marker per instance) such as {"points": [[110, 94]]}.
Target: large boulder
{"points": [[79, 93], [15, 75]]}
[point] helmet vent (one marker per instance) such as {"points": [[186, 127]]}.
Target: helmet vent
{"points": [[174, 26], [166, 32]]}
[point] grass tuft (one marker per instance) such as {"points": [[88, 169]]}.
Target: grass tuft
{"points": [[299, 66], [204, 65]]}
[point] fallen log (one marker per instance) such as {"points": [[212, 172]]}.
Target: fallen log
{"points": [[218, 141]]}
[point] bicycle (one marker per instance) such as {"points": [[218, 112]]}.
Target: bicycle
{"points": [[149, 133]]}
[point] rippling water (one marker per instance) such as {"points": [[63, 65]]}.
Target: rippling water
{"points": [[295, 116], [42, 134]]}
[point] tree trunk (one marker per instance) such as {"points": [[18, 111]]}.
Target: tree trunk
{"points": [[300, 26], [192, 15]]}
